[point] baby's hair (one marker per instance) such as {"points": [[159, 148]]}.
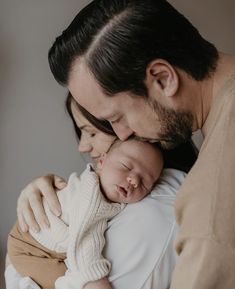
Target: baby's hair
{"points": [[117, 142]]}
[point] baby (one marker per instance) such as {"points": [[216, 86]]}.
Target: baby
{"points": [[125, 174], [129, 171]]}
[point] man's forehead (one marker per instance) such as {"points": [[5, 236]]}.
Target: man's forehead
{"points": [[81, 80], [88, 93]]}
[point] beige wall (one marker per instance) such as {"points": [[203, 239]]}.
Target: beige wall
{"points": [[36, 135]]}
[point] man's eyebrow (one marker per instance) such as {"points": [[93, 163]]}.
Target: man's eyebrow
{"points": [[106, 117]]}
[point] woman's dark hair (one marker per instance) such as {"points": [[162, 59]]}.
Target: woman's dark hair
{"points": [[102, 125], [119, 38], [182, 158]]}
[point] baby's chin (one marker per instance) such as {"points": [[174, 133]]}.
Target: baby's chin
{"points": [[120, 195], [128, 199], [136, 199]]}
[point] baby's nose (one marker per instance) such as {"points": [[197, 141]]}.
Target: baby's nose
{"points": [[133, 180]]}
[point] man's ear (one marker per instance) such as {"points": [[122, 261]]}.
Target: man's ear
{"points": [[101, 161], [161, 78]]}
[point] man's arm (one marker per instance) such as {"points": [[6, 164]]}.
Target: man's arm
{"points": [[204, 264], [205, 210]]}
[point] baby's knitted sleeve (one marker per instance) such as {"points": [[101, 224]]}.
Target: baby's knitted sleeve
{"points": [[88, 221]]}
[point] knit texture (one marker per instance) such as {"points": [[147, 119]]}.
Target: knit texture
{"points": [[80, 230]]}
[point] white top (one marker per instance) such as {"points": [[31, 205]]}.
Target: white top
{"points": [[139, 240]]}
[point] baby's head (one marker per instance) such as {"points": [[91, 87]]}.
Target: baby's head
{"points": [[129, 170]]}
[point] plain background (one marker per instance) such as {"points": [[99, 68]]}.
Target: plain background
{"points": [[36, 135]]}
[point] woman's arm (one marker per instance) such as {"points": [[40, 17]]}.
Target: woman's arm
{"points": [[30, 211]]}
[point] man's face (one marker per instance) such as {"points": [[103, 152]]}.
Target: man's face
{"points": [[129, 114]]}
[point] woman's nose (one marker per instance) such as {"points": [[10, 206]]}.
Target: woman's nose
{"points": [[133, 180], [84, 147]]}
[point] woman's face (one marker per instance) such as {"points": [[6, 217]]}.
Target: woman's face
{"points": [[92, 141]]}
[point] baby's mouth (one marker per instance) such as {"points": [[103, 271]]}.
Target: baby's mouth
{"points": [[122, 191]]}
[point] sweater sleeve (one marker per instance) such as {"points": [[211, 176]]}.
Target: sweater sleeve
{"points": [[89, 215]]}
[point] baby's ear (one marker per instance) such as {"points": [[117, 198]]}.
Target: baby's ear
{"points": [[101, 160]]}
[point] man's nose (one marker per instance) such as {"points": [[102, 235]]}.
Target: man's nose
{"points": [[123, 132]]}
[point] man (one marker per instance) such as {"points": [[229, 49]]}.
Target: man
{"points": [[142, 66]]}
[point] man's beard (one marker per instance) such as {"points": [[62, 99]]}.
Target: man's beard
{"points": [[175, 126]]}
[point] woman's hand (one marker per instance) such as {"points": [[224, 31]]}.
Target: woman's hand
{"points": [[30, 209]]}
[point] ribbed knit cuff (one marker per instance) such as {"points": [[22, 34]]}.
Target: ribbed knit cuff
{"points": [[78, 279], [95, 271]]}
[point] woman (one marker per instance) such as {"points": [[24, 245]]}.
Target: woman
{"points": [[140, 239]]}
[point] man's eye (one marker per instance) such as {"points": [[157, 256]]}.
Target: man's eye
{"points": [[92, 134]]}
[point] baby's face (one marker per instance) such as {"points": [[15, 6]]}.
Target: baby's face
{"points": [[129, 171]]}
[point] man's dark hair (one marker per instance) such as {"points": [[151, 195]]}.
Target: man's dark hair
{"points": [[119, 38]]}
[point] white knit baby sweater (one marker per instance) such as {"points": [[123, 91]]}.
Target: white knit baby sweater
{"points": [[80, 230]]}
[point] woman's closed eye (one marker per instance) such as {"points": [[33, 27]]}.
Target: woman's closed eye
{"points": [[88, 133]]}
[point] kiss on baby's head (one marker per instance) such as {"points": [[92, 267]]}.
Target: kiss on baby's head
{"points": [[129, 170]]}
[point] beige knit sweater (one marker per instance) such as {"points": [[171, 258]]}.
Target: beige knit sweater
{"points": [[205, 204], [80, 229]]}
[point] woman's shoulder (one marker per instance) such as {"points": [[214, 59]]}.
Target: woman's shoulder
{"points": [[144, 232]]}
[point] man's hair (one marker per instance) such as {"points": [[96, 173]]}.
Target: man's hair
{"points": [[119, 38]]}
